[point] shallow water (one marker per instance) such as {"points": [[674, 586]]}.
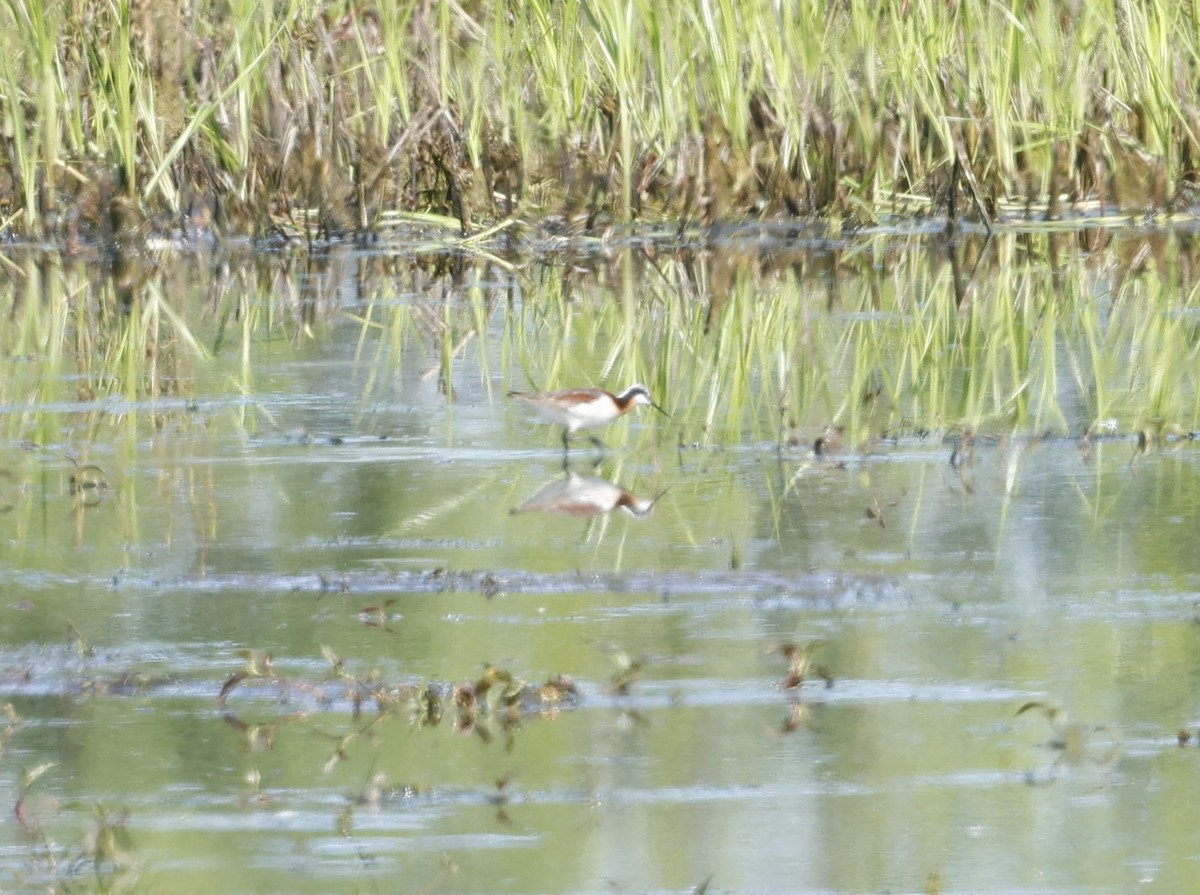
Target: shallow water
{"points": [[332, 501]]}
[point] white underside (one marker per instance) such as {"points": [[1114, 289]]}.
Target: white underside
{"points": [[580, 416]]}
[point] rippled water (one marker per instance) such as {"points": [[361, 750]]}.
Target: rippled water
{"points": [[346, 518]]}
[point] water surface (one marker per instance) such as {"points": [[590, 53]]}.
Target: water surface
{"points": [[334, 489]]}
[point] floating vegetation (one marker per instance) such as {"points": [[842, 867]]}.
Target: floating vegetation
{"points": [[629, 668], [258, 666], [496, 701], [380, 616], [87, 483], [801, 666], [104, 860], [1074, 742]]}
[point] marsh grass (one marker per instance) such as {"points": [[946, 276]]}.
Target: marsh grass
{"points": [[318, 119]]}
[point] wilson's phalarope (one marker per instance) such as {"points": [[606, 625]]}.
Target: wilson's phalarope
{"points": [[583, 408], [577, 495]]}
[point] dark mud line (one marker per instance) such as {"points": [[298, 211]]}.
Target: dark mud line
{"points": [[816, 587]]}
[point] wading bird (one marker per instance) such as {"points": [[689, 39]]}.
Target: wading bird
{"points": [[584, 408]]}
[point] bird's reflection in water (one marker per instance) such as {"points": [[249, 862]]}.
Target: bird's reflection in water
{"points": [[585, 496]]}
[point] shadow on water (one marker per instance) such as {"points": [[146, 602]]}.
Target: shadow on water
{"points": [[294, 595]]}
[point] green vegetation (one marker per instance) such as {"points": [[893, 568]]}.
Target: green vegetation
{"points": [[329, 118], [813, 230], [882, 337]]}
